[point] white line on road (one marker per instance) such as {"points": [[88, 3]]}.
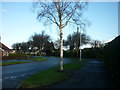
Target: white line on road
{"points": [[12, 77]]}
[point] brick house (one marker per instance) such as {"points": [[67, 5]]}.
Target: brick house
{"points": [[4, 50]]}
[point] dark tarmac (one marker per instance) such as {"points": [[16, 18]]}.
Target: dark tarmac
{"points": [[12, 75], [92, 75]]}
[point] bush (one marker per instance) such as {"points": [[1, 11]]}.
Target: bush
{"points": [[92, 53], [56, 53], [69, 54], [17, 56], [86, 53]]}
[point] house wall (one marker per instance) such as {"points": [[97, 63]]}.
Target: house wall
{"points": [[5, 53], [0, 53]]}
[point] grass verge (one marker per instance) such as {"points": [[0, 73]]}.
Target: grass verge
{"points": [[12, 63], [76, 59], [19, 62], [50, 76], [39, 59], [80, 61]]}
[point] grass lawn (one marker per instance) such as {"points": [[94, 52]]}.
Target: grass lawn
{"points": [[80, 61], [50, 76], [12, 63], [38, 59], [19, 62], [76, 59]]}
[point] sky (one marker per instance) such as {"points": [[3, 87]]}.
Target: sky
{"points": [[19, 22]]}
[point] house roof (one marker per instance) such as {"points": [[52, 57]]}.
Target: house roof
{"points": [[4, 47]]}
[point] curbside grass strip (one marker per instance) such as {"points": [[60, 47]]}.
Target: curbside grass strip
{"points": [[39, 59], [50, 76], [20, 62], [13, 63]]}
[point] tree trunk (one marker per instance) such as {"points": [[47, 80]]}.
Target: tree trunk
{"points": [[61, 50]]}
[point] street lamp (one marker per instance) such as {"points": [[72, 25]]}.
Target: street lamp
{"points": [[80, 42]]}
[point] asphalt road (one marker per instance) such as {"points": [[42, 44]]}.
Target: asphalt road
{"points": [[12, 75]]}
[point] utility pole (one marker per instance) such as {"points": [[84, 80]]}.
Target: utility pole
{"points": [[80, 45], [77, 46], [80, 42]]}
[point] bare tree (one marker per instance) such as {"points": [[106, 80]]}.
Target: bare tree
{"points": [[60, 13], [96, 44], [74, 41], [16, 46], [39, 40]]}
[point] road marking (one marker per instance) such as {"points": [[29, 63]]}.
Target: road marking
{"points": [[16, 76]]}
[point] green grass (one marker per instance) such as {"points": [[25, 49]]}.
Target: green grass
{"points": [[38, 59], [19, 62], [81, 60], [77, 59], [12, 63], [50, 76]]}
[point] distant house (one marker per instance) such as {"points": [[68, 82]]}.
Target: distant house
{"points": [[4, 50]]}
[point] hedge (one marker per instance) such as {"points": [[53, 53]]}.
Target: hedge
{"points": [[112, 57], [18, 56]]}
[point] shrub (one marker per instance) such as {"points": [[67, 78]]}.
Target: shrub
{"points": [[17, 56], [92, 53]]}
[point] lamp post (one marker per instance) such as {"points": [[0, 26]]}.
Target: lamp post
{"points": [[80, 45], [80, 41]]}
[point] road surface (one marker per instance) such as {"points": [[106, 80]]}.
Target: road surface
{"points": [[12, 75]]}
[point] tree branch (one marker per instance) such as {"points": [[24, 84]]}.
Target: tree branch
{"points": [[72, 12], [46, 8]]}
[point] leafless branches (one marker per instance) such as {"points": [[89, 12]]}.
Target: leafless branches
{"points": [[60, 13]]}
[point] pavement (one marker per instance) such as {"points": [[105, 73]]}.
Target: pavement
{"points": [[92, 75], [12, 75]]}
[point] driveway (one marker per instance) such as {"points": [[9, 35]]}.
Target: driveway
{"points": [[12, 75]]}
